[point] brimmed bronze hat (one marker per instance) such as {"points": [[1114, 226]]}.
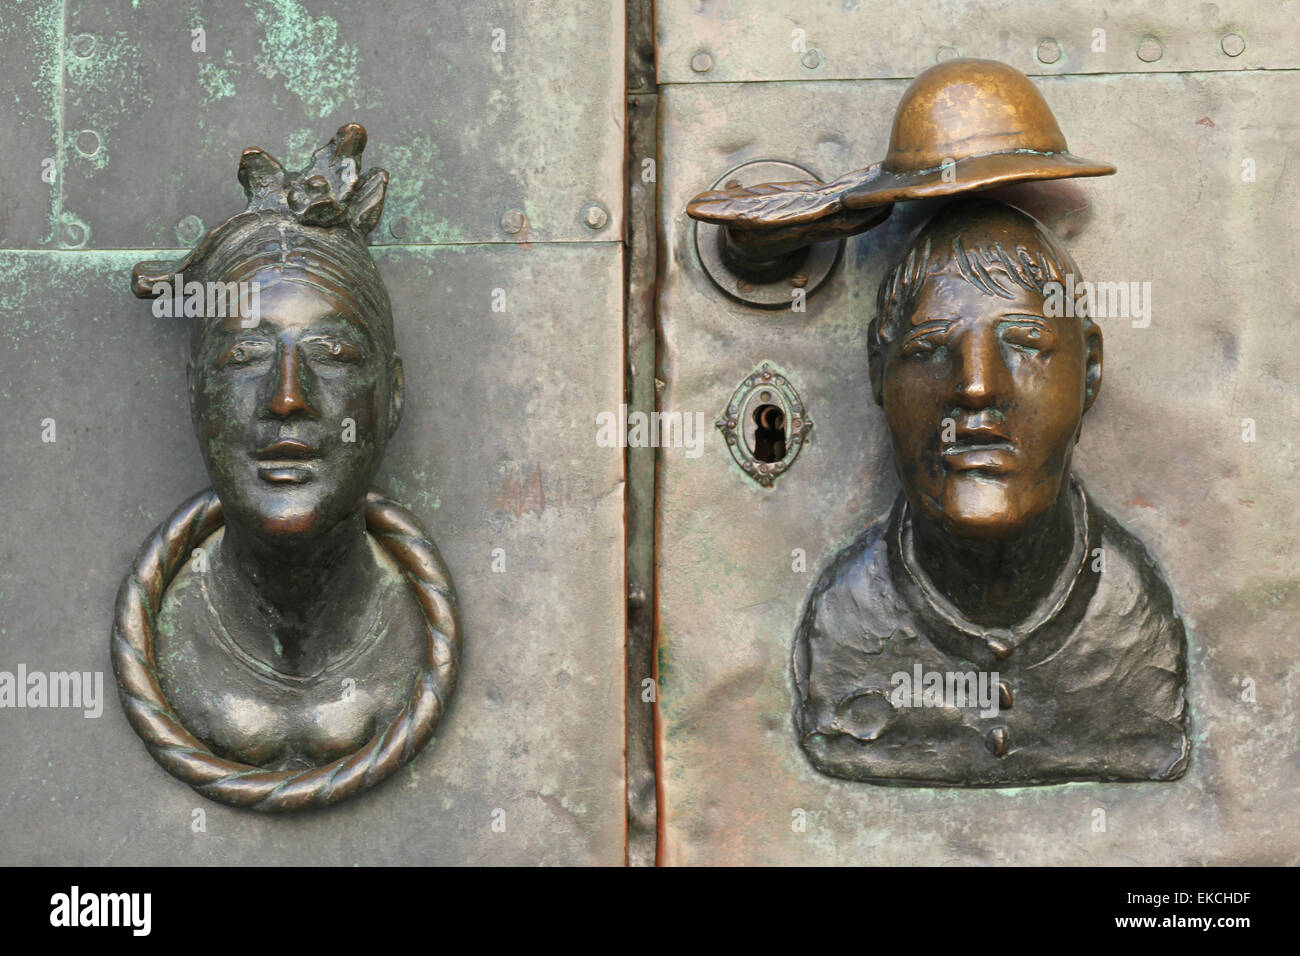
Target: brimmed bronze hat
{"points": [[969, 124]]}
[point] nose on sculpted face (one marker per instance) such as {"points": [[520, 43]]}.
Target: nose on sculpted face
{"points": [[981, 371], [289, 392]]}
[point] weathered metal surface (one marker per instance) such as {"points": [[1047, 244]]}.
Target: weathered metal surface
{"points": [[639, 345], [31, 33], [495, 452], [454, 110], [1163, 451], [640, 47], [725, 42]]}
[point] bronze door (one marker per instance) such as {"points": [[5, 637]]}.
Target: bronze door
{"points": [[630, 582], [1175, 447], [500, 243]]}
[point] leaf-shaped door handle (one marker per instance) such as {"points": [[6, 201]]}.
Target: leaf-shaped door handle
{"points": [[760, 240]]}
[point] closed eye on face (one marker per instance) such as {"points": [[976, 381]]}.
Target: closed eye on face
{"points": [[925, 338], [1027, 334], [1030, 334], [246, 350], [332, 348]]}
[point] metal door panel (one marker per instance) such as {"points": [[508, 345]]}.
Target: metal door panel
{"points": [[468, 133], [494, 452], [1161, 449], [882, 39], [30, 33]]}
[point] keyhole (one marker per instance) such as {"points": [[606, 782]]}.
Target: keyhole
{"points": [[769, 436]]}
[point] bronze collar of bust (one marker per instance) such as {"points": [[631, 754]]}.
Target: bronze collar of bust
{"points": [[1003, 640]]}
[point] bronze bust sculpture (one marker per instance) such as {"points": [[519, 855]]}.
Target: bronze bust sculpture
{"points": [[996, 627], [288, 638]]}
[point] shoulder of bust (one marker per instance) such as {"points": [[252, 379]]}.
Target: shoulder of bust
{"points": [[854, 598], [1131, 587]]}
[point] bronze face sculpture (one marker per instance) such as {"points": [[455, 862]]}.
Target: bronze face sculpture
{"points": [[288, 638], [996, 627]]}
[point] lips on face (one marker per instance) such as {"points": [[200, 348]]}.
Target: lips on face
{"points": [[983, 397], [270, 406]]}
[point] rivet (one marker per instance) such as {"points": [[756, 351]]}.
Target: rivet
{"points": [[400, 227], [189, 229], [83, 45], [1150, 50], [1232, 44], [1049, 50], [744, 286], [87, 142], [702, 62], [595, 216], [73, 234], [811, 59], [945, 53], [513, 221], [798, 281]]}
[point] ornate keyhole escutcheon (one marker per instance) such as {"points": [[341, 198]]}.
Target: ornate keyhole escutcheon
{"points": [[765, 425]]}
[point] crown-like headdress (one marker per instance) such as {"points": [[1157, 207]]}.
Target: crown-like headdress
{"points": [[328, 194]]}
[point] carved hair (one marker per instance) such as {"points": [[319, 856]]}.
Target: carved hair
{"points": [[308, 227], [961, 241]]}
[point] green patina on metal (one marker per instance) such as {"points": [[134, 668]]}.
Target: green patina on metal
{"points": [[218, 82], [316, 65], [24, 271], [418, 490], [412, 159], [98, 91], [44, 28]]}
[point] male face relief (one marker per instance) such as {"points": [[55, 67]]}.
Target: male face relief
{"points": [[983, 395]]}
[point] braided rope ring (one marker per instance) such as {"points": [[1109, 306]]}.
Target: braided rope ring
{"points": [[241, 785]]}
